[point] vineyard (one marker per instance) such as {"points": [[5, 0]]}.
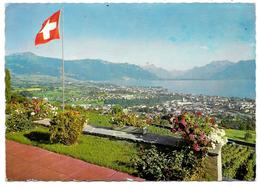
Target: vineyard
{"points": [[238, 162]]}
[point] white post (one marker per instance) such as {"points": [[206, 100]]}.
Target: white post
{"points": [[62, 12]]}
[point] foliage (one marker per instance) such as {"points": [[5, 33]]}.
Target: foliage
{"points": [[153, 164], [248, 136], [17, 97], [18, 118], [40, 108], [35, 108], [141, 101], [7, 86], [238, 122], [238, 162], [116, 110], [66, 127], [130, 119], [199, 132]]}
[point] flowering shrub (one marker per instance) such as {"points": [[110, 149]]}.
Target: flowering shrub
{"points": [[40, 108], [66, 127], [201, 133], [18, 118], [217, 136]]}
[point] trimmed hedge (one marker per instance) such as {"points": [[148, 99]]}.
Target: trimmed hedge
{"points": [[66, 127]]}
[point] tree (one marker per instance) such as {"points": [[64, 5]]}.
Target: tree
{"points": [[7, 86], [117, 109], [248, 136], [26, 94]]}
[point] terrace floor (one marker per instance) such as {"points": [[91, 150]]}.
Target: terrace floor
{"points": [[25, 162]]}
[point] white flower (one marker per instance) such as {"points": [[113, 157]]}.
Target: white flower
{"points": [[213, 145], [32, 113], [217, 136]]}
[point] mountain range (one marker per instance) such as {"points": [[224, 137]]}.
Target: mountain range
{"points": [[100, 70], [86, 69], [216, 70]]}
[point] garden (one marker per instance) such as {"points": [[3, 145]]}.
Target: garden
{"points": [[187, 160]]}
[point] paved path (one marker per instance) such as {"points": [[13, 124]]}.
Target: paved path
{"points": [[145, 138], [25, 162]]}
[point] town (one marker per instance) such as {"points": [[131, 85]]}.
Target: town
{"points": [[148, 101]]}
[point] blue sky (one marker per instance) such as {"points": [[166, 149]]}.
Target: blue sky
{"points": [[173, 36]]}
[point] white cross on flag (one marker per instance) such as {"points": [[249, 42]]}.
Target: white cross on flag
{"points": [[49, 30]]}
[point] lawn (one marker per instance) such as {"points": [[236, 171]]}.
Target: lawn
{"points": [[97, 119], [239, 135], [111, 153]]}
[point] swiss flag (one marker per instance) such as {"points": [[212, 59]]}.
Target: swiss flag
{"points": [[49, 30]]}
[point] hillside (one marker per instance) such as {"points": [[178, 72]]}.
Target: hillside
{"points": [[100, 70], [216, 70], [86, 69]]}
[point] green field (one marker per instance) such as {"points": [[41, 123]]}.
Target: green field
{"points": [[239, 135]]}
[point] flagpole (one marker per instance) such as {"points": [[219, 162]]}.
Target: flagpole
{"points": [[62, 46]]}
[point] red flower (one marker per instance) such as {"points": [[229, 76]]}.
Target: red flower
{"points": [[183, 123], [199, 113], [196, 147], [196, 126]]}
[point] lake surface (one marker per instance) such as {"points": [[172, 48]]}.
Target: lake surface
{"points": [[226, 88]]}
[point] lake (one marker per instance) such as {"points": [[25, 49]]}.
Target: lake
{"points": [[226, 88]]}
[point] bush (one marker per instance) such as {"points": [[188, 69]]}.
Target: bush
{"points": [[248, 136], [18, 120], [200, 133], [66, 127], [7, 86], [121, 120], [117, 109], [41, 108], [156, 165]]}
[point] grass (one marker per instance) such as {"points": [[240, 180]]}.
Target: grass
{"points": [[239, 135], [97, 119], [160, 131], [111, 153]]}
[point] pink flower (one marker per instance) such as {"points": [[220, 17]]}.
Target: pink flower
{"points": [[192, 137], [202, 136], [196, 147], [174, 130]]}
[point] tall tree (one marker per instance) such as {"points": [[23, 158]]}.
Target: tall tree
{"points": [[7, 86]]}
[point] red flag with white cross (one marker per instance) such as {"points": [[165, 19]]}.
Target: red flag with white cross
{"points": [[49, 30]]}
